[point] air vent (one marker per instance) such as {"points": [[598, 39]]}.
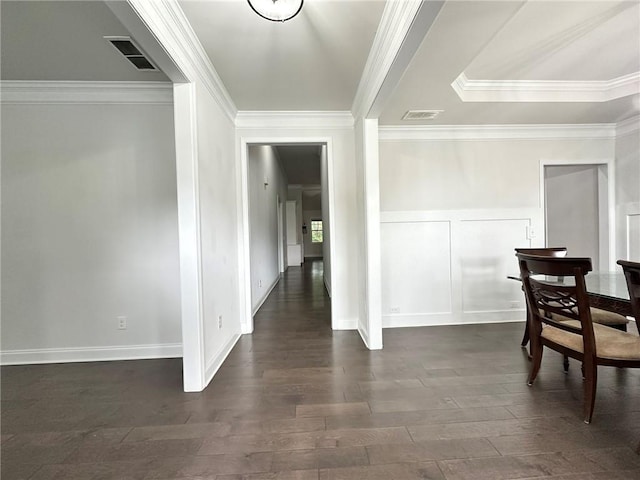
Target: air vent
{"points": [[131, 52], [421, 114]]}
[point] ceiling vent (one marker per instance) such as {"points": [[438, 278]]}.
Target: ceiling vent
{"points": [[131, 52], [421, 114]]}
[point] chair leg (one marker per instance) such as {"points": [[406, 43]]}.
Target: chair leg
{"points": [[565, 364], [525, 337], [590, 383], [536, 361]]}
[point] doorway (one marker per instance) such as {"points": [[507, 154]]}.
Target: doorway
{"points": [[325, 161], [577, 210]]}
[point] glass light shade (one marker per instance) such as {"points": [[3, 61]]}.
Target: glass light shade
{"points": [[276, 10]]}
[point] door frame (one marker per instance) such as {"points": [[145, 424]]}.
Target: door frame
{"points": [[244, 256], [606, 177]]}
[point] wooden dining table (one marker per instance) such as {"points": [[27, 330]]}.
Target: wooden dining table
{"points": [[607, 291]]}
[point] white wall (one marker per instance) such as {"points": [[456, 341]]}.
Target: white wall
{"points": [[359, 188], [218, 222], [263, 219], [367, 187], [627, 165], [324, 198], [89, 232], [452, 213], [341, 173]]}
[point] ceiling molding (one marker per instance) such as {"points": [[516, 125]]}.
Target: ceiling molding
{"points": [[396, 21], [497, 132], [58, 92], [630, 125], [168, 23], [545, 90], [293, 119]]}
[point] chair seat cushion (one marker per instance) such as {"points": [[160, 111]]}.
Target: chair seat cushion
{"points": [[610, 343], [603, 317]]}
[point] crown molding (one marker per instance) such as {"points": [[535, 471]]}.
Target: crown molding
{"points": [[397, 18], [545, 90], [170, 26], [497, 132], [56, 92], [293, 119], [628, 126]]}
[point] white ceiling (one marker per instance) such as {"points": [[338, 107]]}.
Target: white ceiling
{"points": [[312, 62], [315, 61]]}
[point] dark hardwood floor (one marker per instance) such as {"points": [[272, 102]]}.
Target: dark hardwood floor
{"points": [[296, 401]]}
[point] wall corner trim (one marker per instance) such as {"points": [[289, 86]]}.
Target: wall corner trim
{"points": [[396, 21], [294, 119], [169, 24], [65, 92], [630, 125], [498, 132]]}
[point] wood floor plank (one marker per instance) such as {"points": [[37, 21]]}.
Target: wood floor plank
{"points": [[431, 450], [541, 465], [326, 410], [404, 471]]}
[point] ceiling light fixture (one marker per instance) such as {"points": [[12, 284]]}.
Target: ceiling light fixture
{"points": [[276, 10]]}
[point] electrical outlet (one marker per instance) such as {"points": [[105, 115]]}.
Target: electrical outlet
{"points": [[531, 232], [514, 304], [395, 309], [219, 322], [122, 323]]}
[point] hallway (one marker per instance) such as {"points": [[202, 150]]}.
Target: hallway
{"points": [[298, 401]]}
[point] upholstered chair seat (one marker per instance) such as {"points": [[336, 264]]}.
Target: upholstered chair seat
{"points": [[610, 343]]}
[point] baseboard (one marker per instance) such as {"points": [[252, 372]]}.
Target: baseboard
{"points": [[365, 338], [214, 365], [90, 354], [345, 324], [266, 295], [428, 320], [327, 285]]}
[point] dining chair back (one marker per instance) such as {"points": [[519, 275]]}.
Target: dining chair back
{"points": [[632, 276]]}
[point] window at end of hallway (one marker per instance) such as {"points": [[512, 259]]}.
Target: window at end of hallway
{"points": [[316, 231]]}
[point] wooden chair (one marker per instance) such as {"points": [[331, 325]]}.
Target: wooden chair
{"points": [[632, 276], [577, 337], [602, 317]]}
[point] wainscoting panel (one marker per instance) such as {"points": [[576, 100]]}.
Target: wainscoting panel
{"points": [[485, 259], [450, 267], [416, 273]]}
